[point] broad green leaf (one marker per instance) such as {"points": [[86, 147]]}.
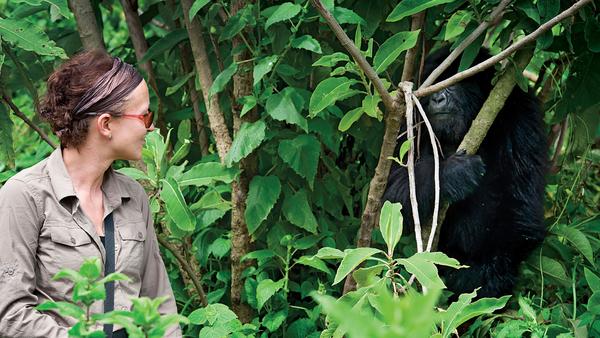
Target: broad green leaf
{"points": [[344, 15], [349, 118], [165, 44], [61, 7], [29, 37], [281, 107], [592, 34], [352, 259], [593, 304], [266, 289], [196, 7], [457, 24], [470, 53], [391, 49], [330, 253], [331, 59], [7, 152], [352, 323], [390, 225], [527, 310], [365, 277], [425, 271], [259, 255], [208, 173], [283, 12], [262, 196], [552, 268], [245, 18], [222, 79], [580, 94], [409, 7], [302, 154], [211, 200], [592, 279], [212, 314], [297, 210], [314, 262], [178, 84], [248, 138], [578, 239], [91, 269], [462, 310], [369, 105], [263, 67], [64, 308], [176, 206], [307, 42], [329, 91], [69, 274], [273, 320], [248, 102]]}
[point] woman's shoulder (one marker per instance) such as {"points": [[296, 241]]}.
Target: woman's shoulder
{"points": [[26, 179], [133, 187]]}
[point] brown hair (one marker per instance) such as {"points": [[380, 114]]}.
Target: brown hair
{"points": [[90, 83]]}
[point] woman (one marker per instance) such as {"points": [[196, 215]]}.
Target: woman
{"points": [[53, 214]]}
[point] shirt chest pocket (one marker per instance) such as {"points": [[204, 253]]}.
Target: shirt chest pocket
{"points": [[130, 256], [69, 246]]}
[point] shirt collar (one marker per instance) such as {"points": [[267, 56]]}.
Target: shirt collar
{"points": [[63, 185]]}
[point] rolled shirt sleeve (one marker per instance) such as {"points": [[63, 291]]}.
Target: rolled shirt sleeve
{"points": [[19, 229]]}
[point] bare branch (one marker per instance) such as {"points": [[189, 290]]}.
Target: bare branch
{"points": [[504, 54], [25, 119], [409, 59], [494, 16], [87, 26]]}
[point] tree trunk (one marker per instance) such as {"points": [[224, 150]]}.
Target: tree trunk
{"points": [[140, 45], [87, 26]]}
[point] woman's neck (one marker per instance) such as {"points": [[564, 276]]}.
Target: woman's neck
{"points": [[86, 168]]}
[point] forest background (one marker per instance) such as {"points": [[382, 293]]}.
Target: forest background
{"points": [[261, 197]]}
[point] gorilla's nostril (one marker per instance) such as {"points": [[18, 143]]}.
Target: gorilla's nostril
{"points": [[439, 99]]}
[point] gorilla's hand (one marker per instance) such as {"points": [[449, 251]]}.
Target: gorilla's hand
{"points": [[462, 174]]}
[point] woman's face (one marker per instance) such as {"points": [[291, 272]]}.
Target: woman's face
{"points": [[128, 135]]}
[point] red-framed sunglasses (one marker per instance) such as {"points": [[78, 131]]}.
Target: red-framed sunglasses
{"points": [[147, 118]]}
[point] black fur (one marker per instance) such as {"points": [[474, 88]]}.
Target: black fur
{"points": [[496, 215]]}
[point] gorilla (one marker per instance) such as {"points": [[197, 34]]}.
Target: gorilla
{"points": [[496, 209]]}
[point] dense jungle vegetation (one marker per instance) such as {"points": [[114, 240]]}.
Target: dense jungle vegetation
{"points": [[266, 173]]}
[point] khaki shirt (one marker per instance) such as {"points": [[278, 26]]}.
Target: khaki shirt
{"points": [[43, 229]]}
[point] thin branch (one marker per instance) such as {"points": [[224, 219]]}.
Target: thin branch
{"points": [[417, 21], [554, 167], [504, 54], [436, 173], [186, 266], [25, 119], [406, 88], [494, 16], [387, 99]]}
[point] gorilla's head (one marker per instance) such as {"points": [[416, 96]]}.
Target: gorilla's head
{"points": [[452, 110]]}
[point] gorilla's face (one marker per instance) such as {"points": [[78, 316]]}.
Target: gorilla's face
{"points": [[452, 110]]}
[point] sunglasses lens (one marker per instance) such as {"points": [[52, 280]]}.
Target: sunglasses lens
{"points": [[148, 118]]}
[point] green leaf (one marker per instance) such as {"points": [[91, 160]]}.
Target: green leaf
{"points": [[330, 253], [297, 210], [425, 271], [580, 242], [222, 79], [249, 102], [64, 308], [331, 59], [307, 42], [527, 309], [178, 84], [263, 67], [208, 173], [552, 268], [7, 152], [262, 196], [176, 206], [329, 91], [61, 7], [91, 269], [344, 15], [196, 7], [245, 18], [273, 320], [462, 310], [281, 107], [134, 173], [314, 262], [593, 304], [29, 37], [302, 154], [365, 277], [165, 44], [470, 53], [266, 289], [211, 200], [409, 7], [348, 120], [440, 258], [283, 12], [592, 279], [248, 138], [457, 24], [69, 274], [390, 225], [391, 49], [213, 314], [580, 93], [352, 259], [369, 105], [592, 34], [1, 60]]}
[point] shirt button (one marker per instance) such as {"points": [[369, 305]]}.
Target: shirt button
{"points": [[139, 235], [73, 240]]}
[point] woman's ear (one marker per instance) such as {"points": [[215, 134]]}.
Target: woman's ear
{"points": [[103, 123]]}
